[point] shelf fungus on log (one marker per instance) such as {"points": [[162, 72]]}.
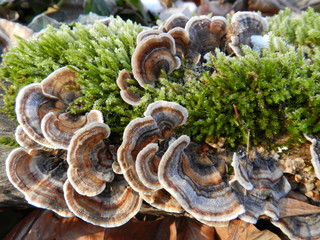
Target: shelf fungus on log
{"points": [[62, 85], [25, 141], [167, 115], [153, 55], [40, 176], [206, 34], [139, 133], [315, 153], [140, 139], [39, 108], [113, 207], [58, 129], [90, 159], [259, 187], [127, 95], [196, 184], [243, 26], [176, 20], [303, 227], [31, 106]]}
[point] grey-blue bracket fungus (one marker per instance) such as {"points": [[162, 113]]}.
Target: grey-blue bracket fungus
{"points": [[89, 159], [40, 176], [25, 141], [113, 207], [176, 20], [154, 54], [302, 227], [196, 184], [243, 26], [259, 185]]}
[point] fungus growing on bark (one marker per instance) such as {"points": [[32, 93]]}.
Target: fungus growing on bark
{"points": [[243, 26], [40, 176], [24, 140], [151, 56], [261, 188], [113, 207], [167, 115], [196, 184], [62, 84], [127, 95], [163, 200], [58, 129], [300, 227], [89, 159], [139, 133], [176, 20], [206, 34], [31, 106]]}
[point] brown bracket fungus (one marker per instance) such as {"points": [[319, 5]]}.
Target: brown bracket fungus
{"points": [[206, 34], [151, 56], [113, 207], [176, 20], [161, 199], [89, 159], [182, 42], [240, 168], [268, 186], [243, 26], [58, 129], [127, 95], [31, 106], [139, 133], [315, 153], [167, 115], [62, 85], [303, 227], [25, 141], [40, 177], [197, 185]]}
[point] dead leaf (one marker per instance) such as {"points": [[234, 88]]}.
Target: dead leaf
{"points": [[240, 230], [293, 207], [44, 224]]}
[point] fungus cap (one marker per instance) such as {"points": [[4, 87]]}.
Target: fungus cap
{"points": [[113, 207], [40, 177], [127, 95], [31, 106], [89, 159], [153, 55], [139, 133], [58, 129], [197, 187]]}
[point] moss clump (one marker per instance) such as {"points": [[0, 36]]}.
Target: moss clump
{"points": [[267, 93], [301, 29]]}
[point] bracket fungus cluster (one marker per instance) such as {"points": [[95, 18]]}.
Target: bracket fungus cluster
{"points": [[259, 184], [65, 160], [72, 165], [180, 39]]}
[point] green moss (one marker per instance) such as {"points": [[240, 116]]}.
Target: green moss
{"points": [[301, 29], [268, 93]]}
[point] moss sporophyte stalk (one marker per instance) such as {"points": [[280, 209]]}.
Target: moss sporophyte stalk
{"points": [[265, 93]]}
